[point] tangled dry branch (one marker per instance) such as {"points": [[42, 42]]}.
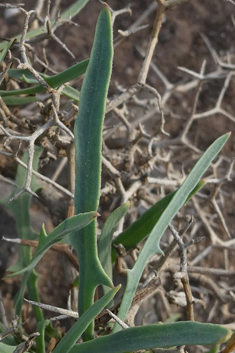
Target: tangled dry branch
{"points": [[140, 161]]}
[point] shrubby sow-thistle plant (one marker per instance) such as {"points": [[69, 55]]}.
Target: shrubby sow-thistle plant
{"points": [[95, 265]]}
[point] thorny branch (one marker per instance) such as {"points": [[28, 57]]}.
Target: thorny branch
{"points": [[53, 121], [183, 275], [142, 163]]}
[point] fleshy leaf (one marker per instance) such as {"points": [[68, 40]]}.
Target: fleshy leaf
{"points": [[144, 225], [20, 210], [15, 100], [4, 348], [151, 245], [105, 241], [5, 50], [44, 327], [54, 81], [61, 231], [156, 336], [88, 142], [80, 326]]}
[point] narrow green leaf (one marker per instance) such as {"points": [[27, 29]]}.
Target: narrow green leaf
{"points": [[88, 141], [12, 99], [152, 243], [24, 75], [15, 100], [71, 93], [30, 90], [8, 340], [63, 229], [80, 326], [5, 50], [25, 79], [144, 225], [40, 340], [45, 327], [71, 73], [214, 349], [20, 210], [173, 318], [156, 336], [105, 241], [55, 81], [71, 11], [7, 349]]}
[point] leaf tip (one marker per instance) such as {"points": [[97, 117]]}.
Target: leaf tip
{"points": [[230, 344], [8, 276], [117, 288], [227, 135], [202, 182], [105, 5], [229, 336]]}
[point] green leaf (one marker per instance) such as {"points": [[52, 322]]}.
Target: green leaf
{"points": [[6, 95], [15, 100], [156, 336], [151, 245], [23, 75], [214, 349], [8, 340], [62, 230], [71, 93], [10, 97], [5, 50], [45, 242], [88, 141], [40, 340], [7, 349], [144, 225], [80, 326], [105, 241], [54, 81], [71, 11], [45, 327], [71, 73], [20, 210], [173, 318]]}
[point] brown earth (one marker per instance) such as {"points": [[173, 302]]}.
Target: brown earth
{"points": [[180, 44]]}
